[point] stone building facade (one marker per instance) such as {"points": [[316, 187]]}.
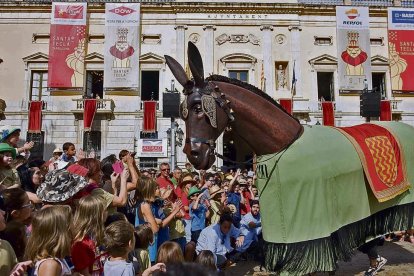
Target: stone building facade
{"points": [[257, 41]]}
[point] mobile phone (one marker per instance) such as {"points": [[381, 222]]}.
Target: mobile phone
{"points": [[118, 167]]}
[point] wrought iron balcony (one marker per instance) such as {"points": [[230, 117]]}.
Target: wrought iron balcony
{"points": [[103, 106]]}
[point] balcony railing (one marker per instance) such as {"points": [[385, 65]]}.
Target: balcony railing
{"points": [[395, 106], [103, 105], [142, 105], [320, 106]]}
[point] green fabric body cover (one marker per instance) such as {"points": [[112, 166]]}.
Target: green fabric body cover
{"points": [[315, 188]]}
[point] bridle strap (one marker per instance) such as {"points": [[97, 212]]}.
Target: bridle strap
{"points": [[208, 142]]}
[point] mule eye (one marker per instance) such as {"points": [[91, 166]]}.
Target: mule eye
{"points": [[197, 108]]}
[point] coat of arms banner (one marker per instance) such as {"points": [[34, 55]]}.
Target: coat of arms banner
{"points": [[122, 36], [354, 54], [67, 46]]}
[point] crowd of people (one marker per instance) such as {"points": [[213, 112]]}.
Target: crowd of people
{"points": [[77, 215]]}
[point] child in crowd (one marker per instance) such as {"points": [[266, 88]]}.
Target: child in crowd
{"points": [[11, 136], [69, 153], [170, 253], [17, 205], [198, 212], [88, 235], [9, 177], [207, 259], [50, 241], [143, 239], [119, 241]]}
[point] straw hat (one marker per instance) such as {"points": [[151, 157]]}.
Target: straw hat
{"points": [[57, 150], [229, 177], [242, 181], [215, 190], [188, 179], [165, 193]]}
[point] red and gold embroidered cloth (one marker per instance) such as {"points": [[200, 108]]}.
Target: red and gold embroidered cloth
{"points": [[381, 158]]}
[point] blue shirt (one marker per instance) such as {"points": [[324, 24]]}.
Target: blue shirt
{"points": [[234, 198], [198, 216], [211, 238], [250, 234]]}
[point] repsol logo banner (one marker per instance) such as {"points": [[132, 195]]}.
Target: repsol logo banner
{"points": [[352, 17]]}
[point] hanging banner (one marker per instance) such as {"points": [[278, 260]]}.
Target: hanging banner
{"points": [[67, 45], [122, 38], [401, 49], [354, 53]]}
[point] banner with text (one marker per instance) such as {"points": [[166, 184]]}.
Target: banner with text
{"points": [[67, 45], [354, 53], [122, 40], [152, 148], [401, 49]]}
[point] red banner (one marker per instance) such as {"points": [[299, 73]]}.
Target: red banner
{"points": [[381, 158], [328, 114], [385, 114], [67, 45], [35, 117], [90, 106], [287, 105], [150, 116]]}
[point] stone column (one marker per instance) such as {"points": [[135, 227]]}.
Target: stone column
{"points": [[397, 3], [268, 64], [208, 60], [348, 2], [296, 58], [180, 44]]}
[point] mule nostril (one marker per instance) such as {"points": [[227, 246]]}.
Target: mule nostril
{"points": [[194, 153]]}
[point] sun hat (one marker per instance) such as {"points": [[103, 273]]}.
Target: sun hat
{"points": [[188, 179], [193, 190], [215, 190], [6, 131], [242, 181], [4, 147], [165, 193], [62, 184], [57, 150], [229, 177]]}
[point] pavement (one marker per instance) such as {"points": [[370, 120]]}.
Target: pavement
{"points": [[400, 257]]}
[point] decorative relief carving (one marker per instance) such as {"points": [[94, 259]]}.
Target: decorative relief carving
{"points": [[280, 39], [237, 38], [194, 38]]}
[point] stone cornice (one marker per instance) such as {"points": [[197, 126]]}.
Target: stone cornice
{"points": [[195, 7]]}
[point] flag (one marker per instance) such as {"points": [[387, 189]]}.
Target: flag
{"points": [[89, 110], [35, 117], [385, 114], [150, 117], [262, 79], [293, 88]]}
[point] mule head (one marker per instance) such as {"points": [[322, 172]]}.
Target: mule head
{"points": [[204, 110]]}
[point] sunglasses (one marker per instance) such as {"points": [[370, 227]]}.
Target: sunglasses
{"points": [[165, 170], [28, 205]]}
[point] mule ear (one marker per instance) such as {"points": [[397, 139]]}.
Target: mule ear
{"points": [[177, 70], [196, 64]]}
